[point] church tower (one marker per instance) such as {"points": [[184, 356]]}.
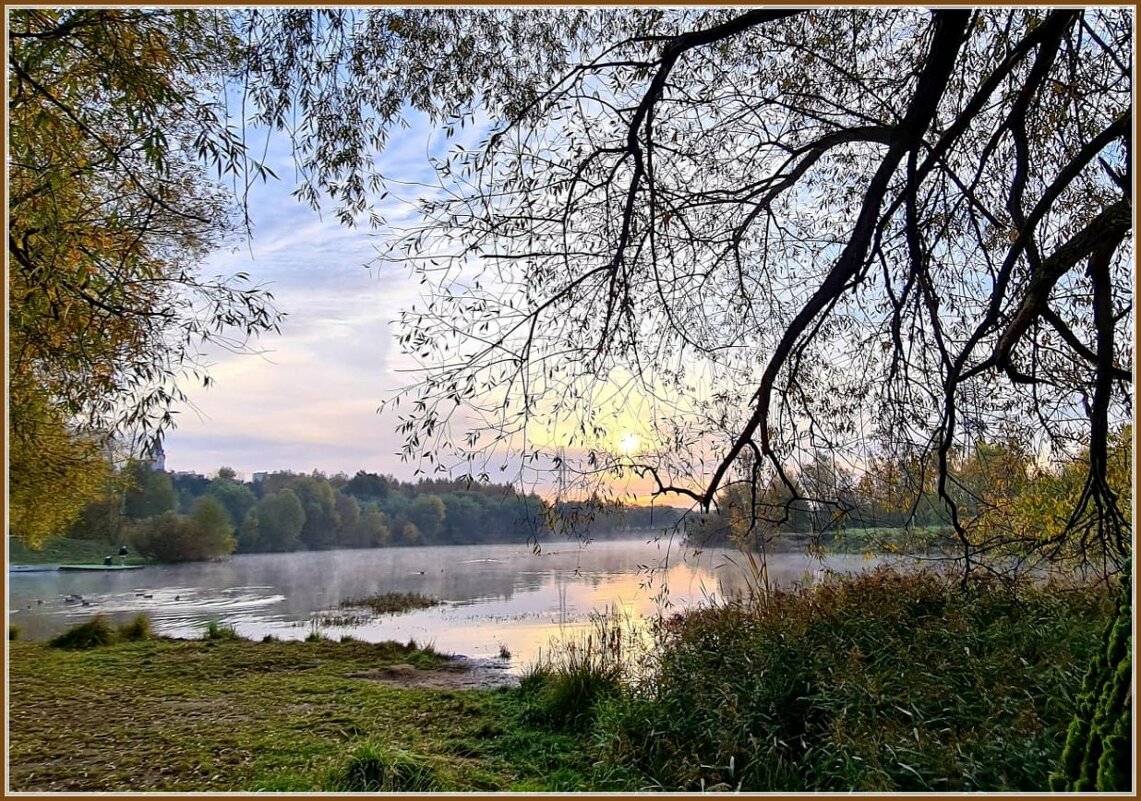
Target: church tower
{"points": [[157, 456]]}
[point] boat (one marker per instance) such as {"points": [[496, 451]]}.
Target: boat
{"points": [[32, 568], [101, 567]]}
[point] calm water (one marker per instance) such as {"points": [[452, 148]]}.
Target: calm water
{"points": [[493, 594]]}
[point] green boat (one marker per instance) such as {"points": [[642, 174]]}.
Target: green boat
{"points": [[101, 567]]}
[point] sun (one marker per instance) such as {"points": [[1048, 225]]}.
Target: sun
{"points": [[628, 443]]}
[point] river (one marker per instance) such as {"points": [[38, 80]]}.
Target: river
{"points": [[494, 596]]}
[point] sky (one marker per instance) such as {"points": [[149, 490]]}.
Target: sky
{"points": [[308, 398]]}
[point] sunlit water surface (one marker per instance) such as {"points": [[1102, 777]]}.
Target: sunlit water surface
{"points": [[494, 596]]}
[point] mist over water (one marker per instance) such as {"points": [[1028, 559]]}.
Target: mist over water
{"points": [[493, 595]]}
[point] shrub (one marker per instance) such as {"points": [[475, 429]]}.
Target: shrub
{"points": [[92, 634], [883, 681], [372, 768], [137, 629]]}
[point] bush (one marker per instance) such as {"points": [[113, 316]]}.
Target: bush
{"points": [[137, 629], [884, 681], [372, 768], [171, 537], [94, 633]]}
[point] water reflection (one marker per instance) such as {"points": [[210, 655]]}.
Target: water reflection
{"points": [[494, 595]]}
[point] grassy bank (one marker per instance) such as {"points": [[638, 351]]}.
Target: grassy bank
{"points": [[66, 551], [878, 682], [231, 715]]}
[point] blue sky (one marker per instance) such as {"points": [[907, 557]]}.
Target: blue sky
{"points": [[308, 398]]}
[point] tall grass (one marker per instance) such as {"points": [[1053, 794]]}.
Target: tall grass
{"points": [[374, 768], [138, 629], [884, 681], [580, 671], [216, 631], [94, 633]]}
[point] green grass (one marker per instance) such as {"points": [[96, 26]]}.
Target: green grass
{"points": [[389, 603], [236, 715], [66, 551]]}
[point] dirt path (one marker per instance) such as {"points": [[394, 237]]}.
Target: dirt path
{"points": [[462, 673]]}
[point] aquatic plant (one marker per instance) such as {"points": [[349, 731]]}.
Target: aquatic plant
{"points": [[389, 603]]}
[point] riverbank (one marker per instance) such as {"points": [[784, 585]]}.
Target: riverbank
{"points": [[67, 551], [877, 682], [236, 715]]}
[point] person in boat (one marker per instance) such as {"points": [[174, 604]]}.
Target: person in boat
{"points": [[107, 561], [122, 553]]}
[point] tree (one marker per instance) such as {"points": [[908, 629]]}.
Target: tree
{"points": [[427, 514], [367, 485], [318, 499], [237, 499], [54, 472], [170, 537], [409, 534], [776, 232], [110, 213], [373, 528], [215, 528], [150, 492], [280, 518], [248, 533], [348, 513]]}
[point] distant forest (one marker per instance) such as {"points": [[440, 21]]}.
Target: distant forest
{"points": [[179, 517]]}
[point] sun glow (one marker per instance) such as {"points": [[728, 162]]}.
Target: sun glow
{"points": [[628, 443]]}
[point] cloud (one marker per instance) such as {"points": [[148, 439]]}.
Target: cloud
{"points": [[308, 397]]}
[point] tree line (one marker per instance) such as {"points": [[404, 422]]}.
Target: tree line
{"points": [[172, 518], [1009, 503]]}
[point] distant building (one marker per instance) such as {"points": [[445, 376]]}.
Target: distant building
{"points": [[260, 477], [156, 456]]}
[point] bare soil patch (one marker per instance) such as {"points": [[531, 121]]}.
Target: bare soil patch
{"points": [[461, 673]]}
